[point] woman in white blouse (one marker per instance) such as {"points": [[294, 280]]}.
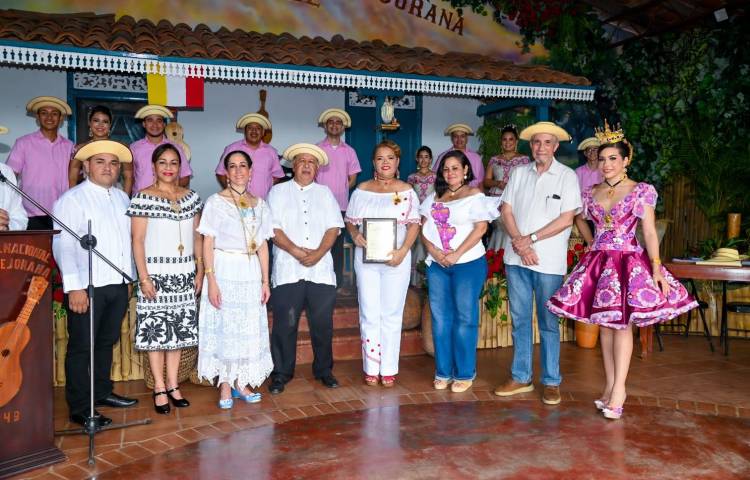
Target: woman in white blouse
{"points": [[233, 343], [382, 287], [456, 217]]}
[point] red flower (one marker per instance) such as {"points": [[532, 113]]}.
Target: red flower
{"points": [[578, 247], [58, 295]]}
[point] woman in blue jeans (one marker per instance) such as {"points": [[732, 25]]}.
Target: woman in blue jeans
{"points": [[455, 218]]}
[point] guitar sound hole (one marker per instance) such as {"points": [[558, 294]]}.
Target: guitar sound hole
{"points": [[5, 352]]}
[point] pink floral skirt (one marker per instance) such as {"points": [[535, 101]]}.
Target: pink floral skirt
{"points": [[614, 289]]}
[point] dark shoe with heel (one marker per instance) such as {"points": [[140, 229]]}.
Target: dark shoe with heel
{"points": [[161, 409], [177, 402]]}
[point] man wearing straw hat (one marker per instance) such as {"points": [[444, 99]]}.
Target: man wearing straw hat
{"points": [[538, 207], [95, 199], [340, 174], [266, 169], [306, 222], [12, 214], [459, 133], [141, 174], [40, 159]]}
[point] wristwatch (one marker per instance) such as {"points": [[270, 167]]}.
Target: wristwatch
{"points": [[533, 238]]}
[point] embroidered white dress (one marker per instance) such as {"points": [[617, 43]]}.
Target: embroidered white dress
{"points": [[233, 341], [381, 289], [169, 321]]}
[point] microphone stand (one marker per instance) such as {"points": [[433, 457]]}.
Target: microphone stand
{"points": [[88, 243]]}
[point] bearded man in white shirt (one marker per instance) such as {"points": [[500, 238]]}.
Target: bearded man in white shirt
{"points": [[95, 199], [306, 222]]}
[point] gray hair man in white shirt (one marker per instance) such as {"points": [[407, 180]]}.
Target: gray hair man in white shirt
{"points": [[98, 200], [306, 222], [538, 207]]}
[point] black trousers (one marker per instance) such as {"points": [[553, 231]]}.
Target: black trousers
{"points": [[337, 252], [287, 302], [42, 222], [110, 305]]}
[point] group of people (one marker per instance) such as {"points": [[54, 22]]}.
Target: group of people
{"points": [[256, 242]]}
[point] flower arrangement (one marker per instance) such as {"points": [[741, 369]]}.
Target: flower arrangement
{"points": [[575, 252], [493, 291]]}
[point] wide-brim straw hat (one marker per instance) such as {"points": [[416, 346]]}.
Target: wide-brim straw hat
{"points": [[253, 118], [3, 130], [38, 102], [544, 127], [589, 142], [335, 112], [458, 127], [95, 147], [309, 148], [149, 110]]}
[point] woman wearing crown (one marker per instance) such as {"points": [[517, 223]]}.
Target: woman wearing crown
{"points": [[618, 283]]}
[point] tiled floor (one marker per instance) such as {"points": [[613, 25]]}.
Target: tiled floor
{"points": [[686, 377]]}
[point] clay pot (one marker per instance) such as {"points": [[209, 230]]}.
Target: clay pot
{"points": [[586, 335], [427, 344], [412, 309]]}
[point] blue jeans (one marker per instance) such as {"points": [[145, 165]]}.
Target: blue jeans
{"points": [[454, 301], [523, 286]]}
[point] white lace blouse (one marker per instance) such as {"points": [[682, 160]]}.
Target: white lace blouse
{"points": [[221, 220], [403, 206]]}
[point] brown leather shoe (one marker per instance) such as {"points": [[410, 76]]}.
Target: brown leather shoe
{"points": [[551, 394], [511, 387]]}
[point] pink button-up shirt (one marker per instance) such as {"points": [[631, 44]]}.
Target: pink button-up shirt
{"points": [[143, 169], [43, 167], [587, 178], [266, 166], [476, 165], [342, 162]]}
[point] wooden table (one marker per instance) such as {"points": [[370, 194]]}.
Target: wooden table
{"points": [[723, 274]]}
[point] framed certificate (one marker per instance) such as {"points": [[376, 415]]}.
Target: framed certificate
{"points": [[380, 235]]}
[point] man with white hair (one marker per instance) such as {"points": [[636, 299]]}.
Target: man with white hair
{"points": [[340, 174], [41, 159], [12, 214], [538, 207], [306, 222]]}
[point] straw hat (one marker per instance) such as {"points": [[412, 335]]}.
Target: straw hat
{"points": [[308, 148], [253, 118], [3, 130], [95, 147], [335, 112], [458, 127], [544, 127], [589, 142], [148, 110], [725, 256], [38, 102]]}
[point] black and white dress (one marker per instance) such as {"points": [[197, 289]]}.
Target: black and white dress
{"points": [[169, 321]]}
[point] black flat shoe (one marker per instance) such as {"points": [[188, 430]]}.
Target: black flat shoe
{"points": [[329, 381], [162, 409], [276, 386], [82, 418], [177, 402], [116, 401]]}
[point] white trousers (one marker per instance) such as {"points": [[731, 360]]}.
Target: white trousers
{"points": [[382, 294]]}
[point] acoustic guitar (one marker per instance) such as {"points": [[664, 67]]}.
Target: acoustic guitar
{"points": [[14, 336]]}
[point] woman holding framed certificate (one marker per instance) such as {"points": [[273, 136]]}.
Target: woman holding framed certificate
{"points": [[456, 216], [383, 221]]}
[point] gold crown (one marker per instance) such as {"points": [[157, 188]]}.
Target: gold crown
{"points": [[609, 136]]}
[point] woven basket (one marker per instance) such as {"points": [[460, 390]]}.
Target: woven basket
{"points": [[188, 362]]}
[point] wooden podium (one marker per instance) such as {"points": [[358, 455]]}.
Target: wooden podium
{"points": [[26, 412]]}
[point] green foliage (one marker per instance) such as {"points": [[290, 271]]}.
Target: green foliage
{"points": [[681, 97], [488, 133], [494, 298]]}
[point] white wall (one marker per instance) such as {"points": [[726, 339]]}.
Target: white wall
{"points": [[293, 112], [439, 112], [18, 87]]}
